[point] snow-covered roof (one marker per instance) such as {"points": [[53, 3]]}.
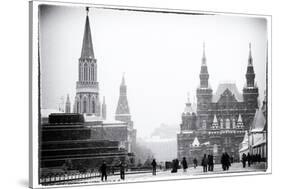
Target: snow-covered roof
{"points": [[111, 121], [246, 138], [47, 112], [231, 87], [259, 142], [91, 117], [187, 131], [195, 142], [259, 121], [246, 147]]}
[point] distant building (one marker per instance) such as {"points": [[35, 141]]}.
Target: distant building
{"points": [[221, 118], [123, 114]]}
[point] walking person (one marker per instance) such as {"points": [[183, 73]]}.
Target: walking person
{"points": [[204, 163], [122, 170], [103, 170], [195, 162], [244, 159], [184, 164], [154, 164]]}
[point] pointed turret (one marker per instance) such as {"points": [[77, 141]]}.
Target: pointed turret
{"points": [[103, 109], [67, 105], [240, 123], [188, 106], [195, 142], [87, 46], [215, 124]]}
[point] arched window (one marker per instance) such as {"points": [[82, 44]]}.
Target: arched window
{"points": [[85, 72], [227, 124], [77, 106], [92, 72], [233, 123], [221, 123], [85, 105], [204, 124]]}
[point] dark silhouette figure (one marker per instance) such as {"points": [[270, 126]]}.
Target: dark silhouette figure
{"points": [[204, 163], [228, 163], [122, 171], [244, 159], [195, 162], [154, 164], [225, 161], [103, 170], [184, 164], [249, 159], [174, 166], [210, 163]]}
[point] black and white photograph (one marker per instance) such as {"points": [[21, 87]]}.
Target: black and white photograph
{"points": [[130, 94]]}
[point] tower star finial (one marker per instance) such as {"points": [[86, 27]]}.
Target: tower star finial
{"points": [[87, 10]]}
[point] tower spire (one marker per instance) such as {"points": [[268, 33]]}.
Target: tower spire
{"points": [[123, 79], [123, 106], [87, 46], [204, 55], [250, 59], [204, 75]]}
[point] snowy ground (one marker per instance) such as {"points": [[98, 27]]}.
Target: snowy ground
{"points": [[165, 175]]}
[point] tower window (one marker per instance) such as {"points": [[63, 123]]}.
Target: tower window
{"points": [[84, 105], [85, 72], [93, 106]]}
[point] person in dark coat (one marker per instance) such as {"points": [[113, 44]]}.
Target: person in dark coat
{"points": [[210, 163], [244, 159], [249, 159], [195, 162], [174, 166], [224, 161], [227, 161], [103, 170], [154, 164], [204, 163], [184, 164], [122, 170]]}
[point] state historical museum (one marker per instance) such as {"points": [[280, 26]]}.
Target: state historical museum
{"points": [[221, 118]]}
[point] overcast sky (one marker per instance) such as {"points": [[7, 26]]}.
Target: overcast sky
{"points": [[159, 53]]}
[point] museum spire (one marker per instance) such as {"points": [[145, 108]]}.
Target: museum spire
{"points": [[87, 46], [250, 59], [204, 56]]}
